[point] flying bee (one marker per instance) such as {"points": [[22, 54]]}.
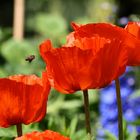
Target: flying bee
{"points": [[30, 58]]}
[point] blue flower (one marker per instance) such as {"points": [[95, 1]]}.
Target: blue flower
{"points": [[135, 104], [130, 115], [138, 129], [106, 97], [108, 106]]}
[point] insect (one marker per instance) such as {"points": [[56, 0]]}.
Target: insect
{"points": [[30, 58]]}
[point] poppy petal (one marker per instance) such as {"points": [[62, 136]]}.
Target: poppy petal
{"points": [[71, 68], [109, 31], [44, 49], [70, 40], [75, 25], [109, 62], [45, 135], [133, 28], [23, 100]]}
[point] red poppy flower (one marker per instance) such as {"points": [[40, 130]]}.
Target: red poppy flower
{"points": [[22, 99], [133, 28], [46, 135], [70, 69], [109, 31]]}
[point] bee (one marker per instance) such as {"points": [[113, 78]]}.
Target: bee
{"points": [[30, 58]]}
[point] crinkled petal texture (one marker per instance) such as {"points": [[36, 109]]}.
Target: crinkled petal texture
{"points": [[46, 135], [23, 99], [76, 68], [110, 31]]}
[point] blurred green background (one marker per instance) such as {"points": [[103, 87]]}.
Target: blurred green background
{"points": [[51, 19]]}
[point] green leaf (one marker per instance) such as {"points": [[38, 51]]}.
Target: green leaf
{"points": [[8, 132], [51, 26], [73, 126], [16, 52], [110, 136], [132, 135], [135, 95], [136, 123]]}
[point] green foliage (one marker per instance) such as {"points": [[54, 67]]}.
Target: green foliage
{"points": [[5, 33], [135, 17], [50, 26], [132, 135], [10, 133], [15, 52], [102, 10], [135, 95]]}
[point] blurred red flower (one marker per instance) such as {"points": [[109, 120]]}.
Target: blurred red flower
{"points": [[133, 28], [23, 99], [79, 67], [109, 31], [46, 135]]}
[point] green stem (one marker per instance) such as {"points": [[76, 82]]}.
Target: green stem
{"points": [[19, 130], [120, 121], [87, 113]]}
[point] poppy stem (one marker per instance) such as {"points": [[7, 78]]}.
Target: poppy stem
{"points": [[87, 113], [19, 130], [119, 104]]}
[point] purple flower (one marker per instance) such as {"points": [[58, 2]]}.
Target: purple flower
{"points": [[123, 21]]}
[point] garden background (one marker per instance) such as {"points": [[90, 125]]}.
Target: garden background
{"points": [[51, 19]]}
